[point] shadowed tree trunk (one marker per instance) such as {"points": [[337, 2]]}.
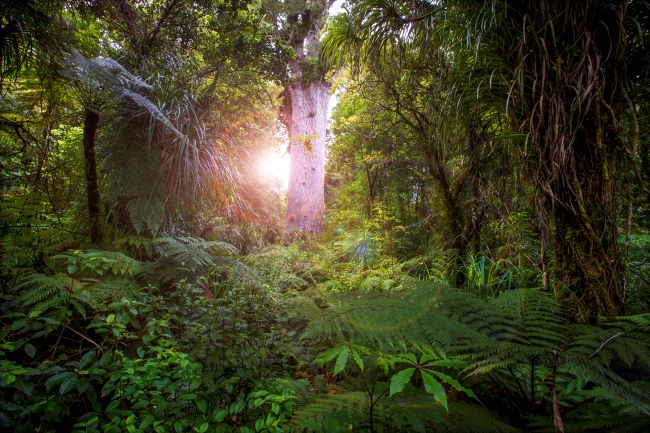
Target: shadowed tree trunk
{"points": [[91, 122], [569, 63]]}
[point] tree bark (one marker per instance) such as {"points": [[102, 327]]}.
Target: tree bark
{"points": [[306, 97], [91, 121], [569, 100], [307, 130]]}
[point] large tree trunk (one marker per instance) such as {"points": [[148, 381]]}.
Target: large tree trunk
{"points": [[307, 129], [571, 59], [91, 121], [588, 269], [306, 97]]}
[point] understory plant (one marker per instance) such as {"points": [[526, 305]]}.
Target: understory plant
{"points": [[518, 353], [85, 345]]}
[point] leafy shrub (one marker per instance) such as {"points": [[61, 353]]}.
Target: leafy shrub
{"points": [[142, 360]]}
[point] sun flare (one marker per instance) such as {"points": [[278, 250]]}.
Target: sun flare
{"points": [[273, 168]]}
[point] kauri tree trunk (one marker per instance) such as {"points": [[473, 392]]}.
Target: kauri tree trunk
{"points": [[307, 129], [306, 97]]}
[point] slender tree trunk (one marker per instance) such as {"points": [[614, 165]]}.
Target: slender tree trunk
{"points": [[557, 414], [307, 130], [91, 121]]}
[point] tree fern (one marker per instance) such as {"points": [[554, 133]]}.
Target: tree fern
{"points": [[521, 340], [411, 412], [344, 408]]}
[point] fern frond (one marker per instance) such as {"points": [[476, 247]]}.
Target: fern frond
{"points": [[411, 412], [40, 287], [180, 257], [434, 266], [345, 408], [501, 337], [43, 292]]}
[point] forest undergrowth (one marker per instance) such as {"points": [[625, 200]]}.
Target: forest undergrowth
{"points": [[184, 334]]}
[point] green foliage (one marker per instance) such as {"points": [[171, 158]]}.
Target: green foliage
{"points": [[135, 360], [186, 320], [160, 380], [98, 263], [638, 270], [513, 342], [487, 277], [182, 257], [437, 266]]}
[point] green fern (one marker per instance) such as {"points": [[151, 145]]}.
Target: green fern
{"points": [[509, 340], [411, 412], [434, 266], [184, 257], [41, 292], [97, 263]]}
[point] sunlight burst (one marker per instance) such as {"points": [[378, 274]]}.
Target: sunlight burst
{"points": [[273, 168]]}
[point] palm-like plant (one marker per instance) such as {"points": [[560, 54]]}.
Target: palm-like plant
{"points": [[102, 83], [24, 31]]}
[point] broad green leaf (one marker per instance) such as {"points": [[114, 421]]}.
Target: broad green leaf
{"points": [[259, 424], [341, 361], [30, 350], [237, 407], [399, 380], [220, 415], [79, 308], [325, 357], [428, 357], [408, 357], [203, 427], [59, 377], [106, 358], [86, 359], [67, 384], [453, 382], [357, 359], [202, 405], [435, 388], [257, 394]]}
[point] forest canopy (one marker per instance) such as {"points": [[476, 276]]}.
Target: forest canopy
{"points": [[324, 216]]}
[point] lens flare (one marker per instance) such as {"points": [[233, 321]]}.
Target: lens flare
{"points": [[273, 168]]}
